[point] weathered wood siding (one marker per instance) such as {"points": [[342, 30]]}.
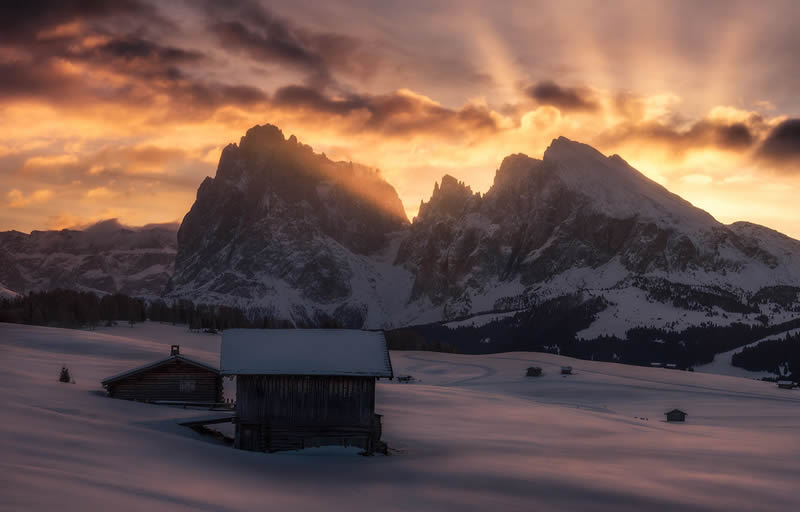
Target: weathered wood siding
{"points": [[301, 400], [176, 380], [286, 412]]}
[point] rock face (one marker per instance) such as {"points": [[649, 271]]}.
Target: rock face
{"points": [[105, 258], [287, 230], [577, 219], [294, 235]]}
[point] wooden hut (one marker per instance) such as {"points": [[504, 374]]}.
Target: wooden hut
{"points": [[176, 379], [299, 388], [675, 415]]}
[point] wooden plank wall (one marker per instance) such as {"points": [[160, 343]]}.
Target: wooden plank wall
{"points": [[306, 400], [164, 383]]}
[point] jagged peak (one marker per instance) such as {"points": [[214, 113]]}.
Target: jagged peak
{"points": [[452, 185], [513, 168], [448, 198]]}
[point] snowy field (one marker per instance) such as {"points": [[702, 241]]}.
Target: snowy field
{"points": [[473, 434]]}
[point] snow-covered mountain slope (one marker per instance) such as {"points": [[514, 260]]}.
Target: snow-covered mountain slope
{"points": [[473, 434], [287, 233], [105, 258]]}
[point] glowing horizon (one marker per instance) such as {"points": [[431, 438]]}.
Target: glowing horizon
{"points": [[121, 111]]}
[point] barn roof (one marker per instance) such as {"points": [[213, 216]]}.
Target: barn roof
{"points": [[305, 352], [156, 364]]}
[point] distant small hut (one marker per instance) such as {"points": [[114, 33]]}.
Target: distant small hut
{"points": [[176, 379], [566, 370], [675, 415], [785, 384], [300, 388], [533, 371]]}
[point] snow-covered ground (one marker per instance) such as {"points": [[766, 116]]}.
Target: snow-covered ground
{"points": [[721, 365], [473, 434]]}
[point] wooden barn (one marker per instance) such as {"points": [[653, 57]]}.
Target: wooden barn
{"points": [[300, 388], [176, 378]]}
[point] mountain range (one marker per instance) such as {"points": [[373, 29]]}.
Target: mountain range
{"points": [[104, 258], [289, 234]]}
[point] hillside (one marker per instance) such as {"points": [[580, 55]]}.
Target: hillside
{"points": [[472, 433]]}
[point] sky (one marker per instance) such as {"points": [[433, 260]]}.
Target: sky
{"points": [[120, 109]]}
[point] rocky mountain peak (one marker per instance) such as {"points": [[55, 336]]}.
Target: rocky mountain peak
{"points": [[261, 139], [446, 200], [513, 170]]}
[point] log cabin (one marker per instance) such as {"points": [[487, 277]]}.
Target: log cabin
{"points": [[300, 388], [176, 379]]}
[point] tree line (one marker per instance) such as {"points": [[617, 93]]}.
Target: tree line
{"points": [[780, 356], [82, 309]]}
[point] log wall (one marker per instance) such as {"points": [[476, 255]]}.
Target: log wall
{"points": [[176, 380]]}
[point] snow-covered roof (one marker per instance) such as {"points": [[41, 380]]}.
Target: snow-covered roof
{"points": [[304, 352], [156, 364]]}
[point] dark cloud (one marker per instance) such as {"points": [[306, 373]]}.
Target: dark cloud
{"points": [[246, 27], [740, 136], [60, 69], [24, 20], [136, 48], [782, 144], [21, 80], [187, 97], [563, 98], [396, 114], [310, 98]]}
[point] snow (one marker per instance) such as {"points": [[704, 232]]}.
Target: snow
{"points": [[473, 434], [304, 352], [630, 307], [620, 190], [721, 365], [479, 320]]}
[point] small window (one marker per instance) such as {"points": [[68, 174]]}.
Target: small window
{"points": [[187, 386]]}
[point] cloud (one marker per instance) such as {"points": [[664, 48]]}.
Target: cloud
{"points": [[401, 113], [719, 134], [47, 162], [568, 99], [74, 54], [782, 145], [246, 27], [98, 193], [18, 200], [47, 19], [135, 56]]}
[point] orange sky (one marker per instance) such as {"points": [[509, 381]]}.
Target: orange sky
{"points": [[121, 109]]}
